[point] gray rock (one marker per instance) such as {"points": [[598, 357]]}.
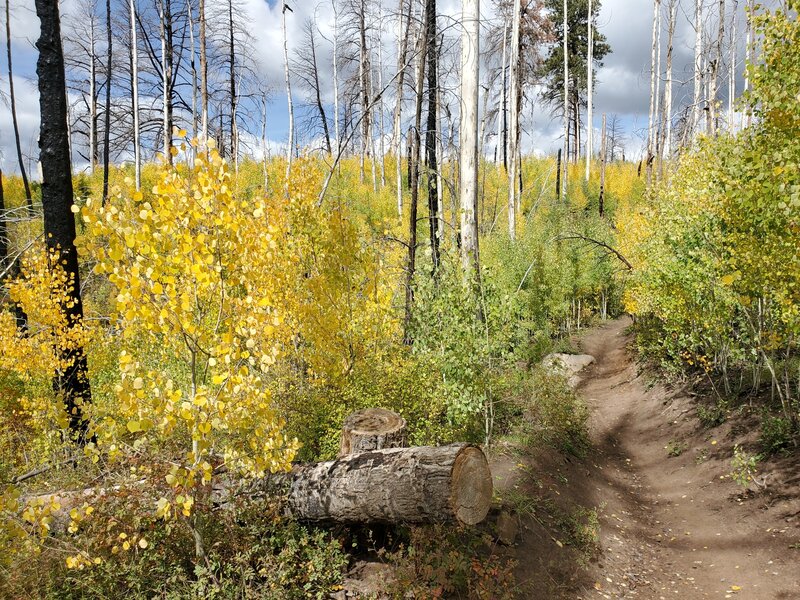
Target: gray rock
{"points": [[568, 365], [507, 528]]}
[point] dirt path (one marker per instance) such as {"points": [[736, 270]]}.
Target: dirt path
{"points": [[676, 526]]}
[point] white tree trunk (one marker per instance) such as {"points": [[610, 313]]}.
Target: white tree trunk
{"points": [[381, 107], [653, 76], [514, 125], [673, 15], [290, 148], [698, 64], [748, 57], [203, 72], [137, 144], [713, 111], [402, 49], [589, 121], [732, 68], [468, 133], [336, 77], [566, 106]]}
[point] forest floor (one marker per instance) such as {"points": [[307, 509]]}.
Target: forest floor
{"points": [[651, 511]]}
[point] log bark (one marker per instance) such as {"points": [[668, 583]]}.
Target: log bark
{"points": [[425, 484], [372, 429]]}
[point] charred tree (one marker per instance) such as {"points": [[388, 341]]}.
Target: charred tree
{"points": [[71, 382], [12, 99], [431, 132]]}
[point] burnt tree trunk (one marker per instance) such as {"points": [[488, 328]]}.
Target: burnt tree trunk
{"points": [[13, 270], [71, 382], [13, 102], [431, 133]]}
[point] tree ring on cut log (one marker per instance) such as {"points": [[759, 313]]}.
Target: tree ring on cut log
{"points": [[471, 482], [372, 429]]}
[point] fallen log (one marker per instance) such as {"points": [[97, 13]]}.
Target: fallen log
{"points": [[423, 484], [372, 429]]}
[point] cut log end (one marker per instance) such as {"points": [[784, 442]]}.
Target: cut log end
{"points": [[471, 486], [372, 429]]}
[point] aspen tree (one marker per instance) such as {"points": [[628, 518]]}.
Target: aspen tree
{"points": [[203, 70], [468, 130], [566, 105], [290, 148], [666, 147], [589, 83], [698, 64], [654, 74], [137, 142], [514, 129], [107, 120]]}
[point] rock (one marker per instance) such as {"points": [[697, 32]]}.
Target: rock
{"points": [[568, 365], [507, 528], [369, 580]]}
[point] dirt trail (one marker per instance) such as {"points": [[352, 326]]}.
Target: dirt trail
{"points": [[675, 526]]}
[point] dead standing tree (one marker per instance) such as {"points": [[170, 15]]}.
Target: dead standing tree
{"points": [[13, 101], [306, 67], [71, 381]]}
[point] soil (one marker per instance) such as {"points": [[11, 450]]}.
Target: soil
{"points": [[652, 511]]}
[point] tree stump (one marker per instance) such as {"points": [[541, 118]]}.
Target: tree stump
{"points": [[372, 429]]}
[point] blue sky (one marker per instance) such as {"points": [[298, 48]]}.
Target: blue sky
{"points": [[623, 87]]}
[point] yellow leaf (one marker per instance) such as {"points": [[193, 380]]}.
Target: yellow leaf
{"points": [[134, 426]]}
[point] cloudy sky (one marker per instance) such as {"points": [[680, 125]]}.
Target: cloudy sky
{"points": [[623, 81]]}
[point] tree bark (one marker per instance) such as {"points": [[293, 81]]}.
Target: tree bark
{"points": [[514, 130], [601, 200], [653, 76], [137, 143], [715, 68], [666, 146], [318, 94], [589, 120], [372, 429], [468, 134], [413, 182], [363, 78], [337, 139], [166, 74], [19, 315], [402, 45], [566, 105], [93, 142], [698, 64], [12, 99], [399, 485], [71, 382], [107, 119], [203, 71], [431, 132], [290, 148], [232, 83]]}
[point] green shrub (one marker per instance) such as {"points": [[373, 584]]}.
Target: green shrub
{"points": [[776, 432]]}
